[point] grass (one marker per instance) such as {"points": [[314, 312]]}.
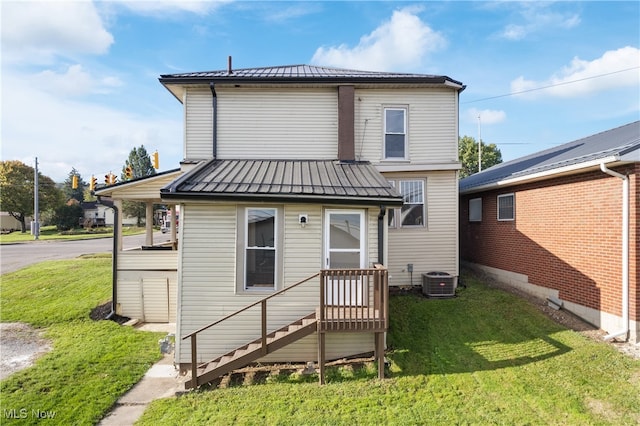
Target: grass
{"points": [[92, 362], [51, 233], [485, 357]]}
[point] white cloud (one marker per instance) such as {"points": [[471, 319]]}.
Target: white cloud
{"points": [[487, 116], [37, 32], [538, 17], [398, 44], [75, 81], [614, 69], [162, 8], [66, 133]]}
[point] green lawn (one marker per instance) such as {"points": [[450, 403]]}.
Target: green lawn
{"points": [[51, 233], [92, 362], [485, 357]]}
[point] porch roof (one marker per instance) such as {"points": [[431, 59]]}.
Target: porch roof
{"points": [[146, 188], [306, 181]]}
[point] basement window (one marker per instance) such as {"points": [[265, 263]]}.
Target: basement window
{"points": [[506, 207]]}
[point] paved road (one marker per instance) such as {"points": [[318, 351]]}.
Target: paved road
{"points": [[17, 256]]}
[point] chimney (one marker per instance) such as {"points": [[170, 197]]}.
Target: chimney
{"points": [[229, 68], [346, 114]]}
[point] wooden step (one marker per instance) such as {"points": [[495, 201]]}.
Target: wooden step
{"points": [[245, 354]]}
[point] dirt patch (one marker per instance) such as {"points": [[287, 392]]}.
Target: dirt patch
{"points": [[21, 346], [101, 312]]}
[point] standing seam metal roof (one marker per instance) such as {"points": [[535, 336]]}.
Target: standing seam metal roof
{"points": [[614, 142], [303, 73], [294, 180]]}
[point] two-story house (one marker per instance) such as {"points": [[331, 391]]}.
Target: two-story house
{"points": [[306, 191]]}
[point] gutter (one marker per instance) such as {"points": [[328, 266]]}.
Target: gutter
{"points": [[625, 253], [212, 87], [114, 259]]}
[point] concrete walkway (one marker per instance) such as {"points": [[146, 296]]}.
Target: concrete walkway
{"points": [[161, 381]]}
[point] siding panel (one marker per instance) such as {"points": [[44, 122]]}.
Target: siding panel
{"points": [[198, 124]]}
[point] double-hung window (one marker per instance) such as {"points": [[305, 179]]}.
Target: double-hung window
{"points": [[395, 133], [506, 207], [260, 248], [413, 211], [475, 210]]}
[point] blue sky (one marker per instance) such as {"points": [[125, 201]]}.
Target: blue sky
{"points": [[80, 79]]}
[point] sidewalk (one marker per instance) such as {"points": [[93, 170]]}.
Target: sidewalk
{"points": [[161, 381]]}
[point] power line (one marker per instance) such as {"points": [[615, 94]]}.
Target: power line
{"points": [[552, 85]]}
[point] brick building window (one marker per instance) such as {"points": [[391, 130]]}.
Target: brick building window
{"points": [[475, 210], [506, 207]]}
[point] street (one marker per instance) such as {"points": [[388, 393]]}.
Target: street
{"points": [[17, 256]]}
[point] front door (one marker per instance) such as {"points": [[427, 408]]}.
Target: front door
{"points": [[344, 249]]}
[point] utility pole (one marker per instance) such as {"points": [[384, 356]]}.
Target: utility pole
{"points": [[35, 225], [479, 146]]}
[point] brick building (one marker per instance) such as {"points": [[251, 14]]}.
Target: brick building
{"points": [[563, 224]]}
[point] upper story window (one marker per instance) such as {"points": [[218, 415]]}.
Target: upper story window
{"points": [[506, 207], [475, 210], [395, 133]]}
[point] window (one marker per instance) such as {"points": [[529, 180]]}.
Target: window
{"points": [[475, 210], [506, 207], [260, 249], [395, 133], [412, 211]]}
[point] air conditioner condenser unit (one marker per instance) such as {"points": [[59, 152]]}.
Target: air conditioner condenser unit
{"points": [[439, 284]]}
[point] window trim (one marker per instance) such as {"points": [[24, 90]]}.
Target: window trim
{"points": [[477, 202], [405, 109], [513, 207], [242, 247]]}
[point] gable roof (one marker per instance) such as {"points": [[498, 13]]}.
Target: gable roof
{"points": [[302, 74], [300, 181], [621, 144]]}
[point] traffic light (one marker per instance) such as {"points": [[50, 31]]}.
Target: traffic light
{"points": [[74, 182], [128, 172], [92, 183], [156, 160], [107, 179]]}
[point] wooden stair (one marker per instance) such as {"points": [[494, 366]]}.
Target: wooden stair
{"points": [[240, 357]]}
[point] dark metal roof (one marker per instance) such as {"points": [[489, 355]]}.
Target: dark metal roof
{"points": [[310, 181], [304, 73], [621, 143]]}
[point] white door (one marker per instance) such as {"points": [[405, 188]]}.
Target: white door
{"points": [[344, 249]]}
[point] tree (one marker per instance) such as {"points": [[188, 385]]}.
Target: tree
{"points": [[17, 189], [468, 155], [68, 216], [67, 187], [141, 166]]}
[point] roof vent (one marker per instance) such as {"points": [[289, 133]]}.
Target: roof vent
{"points": [[229, 68]]}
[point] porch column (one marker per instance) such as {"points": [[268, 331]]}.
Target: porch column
{"points": [[118, 224], [174, 233], [148, 222]]}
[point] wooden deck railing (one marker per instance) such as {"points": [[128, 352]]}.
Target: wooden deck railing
{"points": [[350, 300], [354, 299]]}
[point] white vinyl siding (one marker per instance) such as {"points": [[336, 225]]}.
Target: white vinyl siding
{"points": [[434, 247], [208, 283], [276, 123], [198, 124], [432, 123]]}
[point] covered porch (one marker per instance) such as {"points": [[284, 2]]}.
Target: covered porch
{"points": [[145, 277]]}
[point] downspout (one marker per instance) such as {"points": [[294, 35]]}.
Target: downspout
{"points": [[381, 215], [114, 260], [215, 119], [625, 253]]}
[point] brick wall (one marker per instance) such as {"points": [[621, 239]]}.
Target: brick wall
{"points": [[567, 235]]}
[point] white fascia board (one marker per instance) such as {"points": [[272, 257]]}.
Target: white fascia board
{"points": [[547, 174], [391, 167]]}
